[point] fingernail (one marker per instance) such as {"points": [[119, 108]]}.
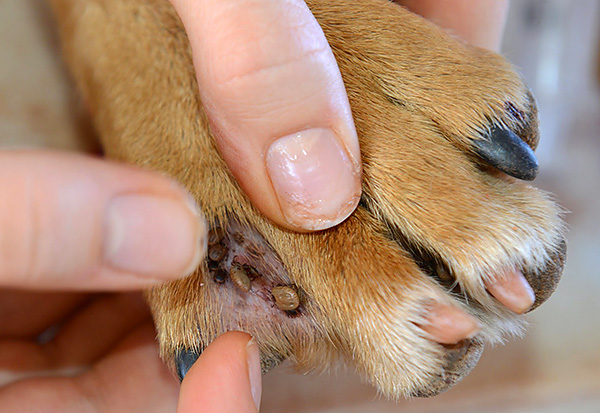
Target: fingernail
{"points": [[447, 324], [316, 182], [514, 291], [154, 237], [254, 371]]}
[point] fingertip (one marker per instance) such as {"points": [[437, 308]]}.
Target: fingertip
{"points": [[478, 23], [224, 378], [152, 236]]}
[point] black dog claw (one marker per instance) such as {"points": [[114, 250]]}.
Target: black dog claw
{"points": [[184, 361], [507, 152]]}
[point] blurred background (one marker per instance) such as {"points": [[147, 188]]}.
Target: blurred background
{"points": [[556, 367]]}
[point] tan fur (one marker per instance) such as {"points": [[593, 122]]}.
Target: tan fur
{"points": [[419, 98]]}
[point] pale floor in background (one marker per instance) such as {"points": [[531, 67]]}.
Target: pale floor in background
{"points": [[556, 368]]}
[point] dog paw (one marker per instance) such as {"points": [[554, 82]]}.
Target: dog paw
{"points": [[447, 248]]}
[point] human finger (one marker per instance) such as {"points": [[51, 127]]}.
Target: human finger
{"points": [[75, 222], [97, 328], [27, 314], [131, 378], [480, 23], [81, 340], [225, 378], [277, 106]]}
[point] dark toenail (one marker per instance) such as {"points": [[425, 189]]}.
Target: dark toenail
{"points": [[239, 277], [184, 360], [220, 276], [216, 252], [215, 235], [286, 297], [507, 152]]}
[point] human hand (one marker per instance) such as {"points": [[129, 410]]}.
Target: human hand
{"points": [[105, 358], [76, 223], [277, 105]]}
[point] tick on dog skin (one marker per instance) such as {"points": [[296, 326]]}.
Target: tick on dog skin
{"points": [[239, 277], [286, 297], [251, 272], [215, 235], [220, 276], [216, 252]]}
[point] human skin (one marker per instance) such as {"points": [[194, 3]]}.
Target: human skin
{"points": [[480, 23]]}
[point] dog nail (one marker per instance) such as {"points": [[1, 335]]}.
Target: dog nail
{"points": [[220, 276], [513, 291], [505, 151], [239, 277], [184, 360], [215, 235], [447, 324], [213, 265], [216, 252], [286, 298], [316, 182]]}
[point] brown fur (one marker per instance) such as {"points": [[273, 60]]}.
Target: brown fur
{"points": [[419, 98]]}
